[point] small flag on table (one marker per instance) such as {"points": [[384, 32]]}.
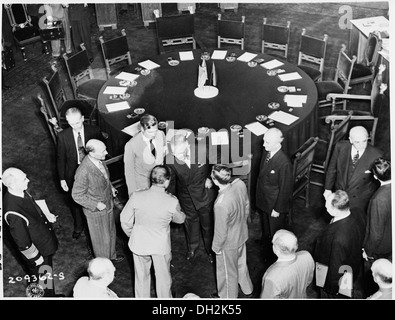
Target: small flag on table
{"points": [[202, 77], [213, 76]]}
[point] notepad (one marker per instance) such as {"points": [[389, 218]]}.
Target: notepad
{"points": [[117, 106], [283, 117], [219, 54], [148, 64], [133, 129], [127, 76], [247, 56], [290, 76], [256, 128], [114, 90], [219, 138], [186, 55], [295, 100], [272, 64]]}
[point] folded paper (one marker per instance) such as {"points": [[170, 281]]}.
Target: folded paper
{"points": [[256, 128], [127, 76], [272, 64], [114, 90], [247, 56], [219, 54], [186, 55], [290, 76], [117, 106], [148, 64], [283, 117]]}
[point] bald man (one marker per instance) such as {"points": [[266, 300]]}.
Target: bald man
{"points": [[356, 179], [93, 190], [382, 274], [275, 183]]}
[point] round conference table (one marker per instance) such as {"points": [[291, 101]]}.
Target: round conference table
{"points": [[167, 92]]}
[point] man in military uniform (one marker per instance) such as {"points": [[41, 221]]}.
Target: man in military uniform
{"points": [[231, 211], [30, 228], [146, 220]]}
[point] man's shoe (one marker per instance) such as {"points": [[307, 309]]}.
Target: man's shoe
{"points": [[76, 235], [210, 258], [214, 295], [190, 255], [118, 259]]}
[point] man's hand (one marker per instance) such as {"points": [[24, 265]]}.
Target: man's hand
{"points": [[51, 217], [114, 192], [327, 193], [275, 214], [39, 261], [100, 206], [208, 183], [64, 186]]}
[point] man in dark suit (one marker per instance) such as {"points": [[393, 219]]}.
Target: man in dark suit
{"points": [[350, 168], [339, 246], [192, 187], [69, 156], [274, 184]]}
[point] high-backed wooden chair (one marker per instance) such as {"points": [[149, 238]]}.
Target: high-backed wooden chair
{"points": [[230, 32], [302, 161], [50, 119], [311, 56], [115, 167], [275, 39], [115, 51], [175, 31]]}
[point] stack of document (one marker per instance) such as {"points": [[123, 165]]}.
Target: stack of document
{"points": [[295, 100], [114, 90], [283, 117], [272, 64], [256, 128], [149, 65], [247, 57], [219, 54], [127, 76], [133, 129], [290, 76], [117, 106], [186, 55]]}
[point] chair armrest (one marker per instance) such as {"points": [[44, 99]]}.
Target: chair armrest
{"points": [[332, 96]]}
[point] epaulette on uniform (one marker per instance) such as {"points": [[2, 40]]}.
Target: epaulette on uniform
{"points": [[142, 189]]}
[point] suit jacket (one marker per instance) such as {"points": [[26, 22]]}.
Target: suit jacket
{"points": [[231, 209], [146, 220], [340, 244], [67, 157], [378, 236], [275, 183], [90, 187], [361, 185], [139, 160], [288, 279]]}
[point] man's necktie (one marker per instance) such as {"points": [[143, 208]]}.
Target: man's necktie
{"points": [[81, 149], [355, 159], [267, 157], [153, 151], [103, 171]]}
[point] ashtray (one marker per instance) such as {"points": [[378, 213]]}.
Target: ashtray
{"points": [[271, 72], [139, 110], [252, 64], [125, 83], [261, 117], [230, 59], [203, 130], [114, 97], [282, 89], [162, 125], [273, 105], [124, 96], [145, 72], [174, 62], [235, 128]]}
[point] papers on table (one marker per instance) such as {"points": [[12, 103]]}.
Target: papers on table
{"points": [[117, 106], [127, 76], [256, 128], [219, 54], [283, 117], [148, 64], [219, 138], [272, 64], [246, 56], [295, 100], [171, 132], [186, 55], [133, 129], [44, 208], [114, 90], [290, 76]]}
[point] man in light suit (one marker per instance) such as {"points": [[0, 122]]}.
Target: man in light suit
{"points": [[143, 152], [231, 211], [93, 190], [290, 275], [356, 179], [146, 220], [69, 157], [274, 185]]}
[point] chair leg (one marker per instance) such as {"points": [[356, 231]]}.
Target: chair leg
{"points": [[307, 199], [23, 53]]}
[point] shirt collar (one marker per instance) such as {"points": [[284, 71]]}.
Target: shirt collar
{"points": [[272, 153], [354, 151]]}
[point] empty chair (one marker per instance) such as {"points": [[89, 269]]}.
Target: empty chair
{"points": [[51, 120], [275, 39], [230, 32], [312, 55], [115, 51], [115, 166], [23, 31], [341, 81], [78, 66], [365, 71], [175, 30], [302, 161]]}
